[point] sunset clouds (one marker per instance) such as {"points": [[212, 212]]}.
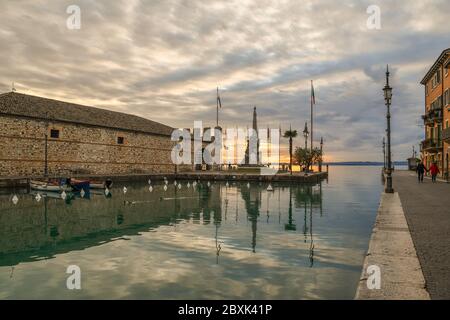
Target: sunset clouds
{"points": [[164, 59]]}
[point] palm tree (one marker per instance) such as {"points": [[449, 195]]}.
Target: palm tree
{"points": [[291, 134]]}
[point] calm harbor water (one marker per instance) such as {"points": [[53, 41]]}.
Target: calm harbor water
{"points": [[202, 242]]}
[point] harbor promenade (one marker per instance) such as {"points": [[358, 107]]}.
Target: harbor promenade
{"points": [[427, 211], [410, 242]]}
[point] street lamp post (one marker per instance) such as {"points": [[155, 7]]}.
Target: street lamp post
{"points": [[46, 156], [384, 154], [46, 147], [388, 98]]}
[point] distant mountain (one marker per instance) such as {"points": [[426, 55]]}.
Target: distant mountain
{"points": [[365, 163]]}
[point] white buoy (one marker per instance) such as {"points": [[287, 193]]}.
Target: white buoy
{"points": [[15, 199], [194, 183], [165, 188], [248, 185], [63, 195], [82, 193], [179, 186], [175, 182], [38, 197], [107, 192], [125, 190], [227, 184], [149, 181], [150, 189], [166, 182], [188, 185], [209, 184]]}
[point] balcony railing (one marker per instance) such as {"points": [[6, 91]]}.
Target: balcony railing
{"points": [[431, 145], [446, 135], [432, 116]]}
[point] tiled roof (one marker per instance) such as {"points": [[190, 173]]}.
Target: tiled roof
{"points": [[18, 104]]}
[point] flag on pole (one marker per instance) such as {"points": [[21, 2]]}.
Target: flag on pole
{"points": [[313, 96]]}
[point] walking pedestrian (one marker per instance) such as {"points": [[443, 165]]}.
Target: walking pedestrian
{"points": [[434, 170], [421, 171]]}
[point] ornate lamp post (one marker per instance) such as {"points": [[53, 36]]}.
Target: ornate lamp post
{"points": [[384, 154], [388, 98], [306, 135]]}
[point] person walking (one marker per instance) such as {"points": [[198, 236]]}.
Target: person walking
{"points": [[434, 170], [421, 171]]}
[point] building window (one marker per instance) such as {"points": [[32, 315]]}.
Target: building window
{"points": [[436, 79], [54, 133], [426, 89], [436, 104], [120, 140], [446, 70], [446, 124], [447, 97]]}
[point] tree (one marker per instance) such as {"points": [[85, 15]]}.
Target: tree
{"points": [[306, 157], [291, 134]]}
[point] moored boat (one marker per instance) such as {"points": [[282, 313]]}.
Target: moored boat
{"points": [[101, 185], [52, 186], [78, 185]]}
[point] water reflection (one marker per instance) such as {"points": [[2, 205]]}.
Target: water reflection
{"points": [[217, 241], [33, 230]]}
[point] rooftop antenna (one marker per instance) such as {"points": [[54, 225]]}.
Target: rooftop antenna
{"points": [[13, 88]]}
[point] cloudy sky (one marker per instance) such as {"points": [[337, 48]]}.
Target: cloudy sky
{"points": [[162, 59]]}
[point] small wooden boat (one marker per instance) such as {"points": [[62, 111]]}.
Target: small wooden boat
{"points": [[50, 186], [78, 185], [101, 185]]}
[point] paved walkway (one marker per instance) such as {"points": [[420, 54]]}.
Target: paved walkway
{"points": [[427, 211], [391, 249]]}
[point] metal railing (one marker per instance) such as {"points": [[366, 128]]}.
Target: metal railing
{"points": [[431, 144], [433, 115]]}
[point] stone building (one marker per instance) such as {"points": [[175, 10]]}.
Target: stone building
{"points": [[80, 139], [436, 145]]}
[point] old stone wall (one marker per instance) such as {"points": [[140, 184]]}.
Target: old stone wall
{"points": [[79, 149]]}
